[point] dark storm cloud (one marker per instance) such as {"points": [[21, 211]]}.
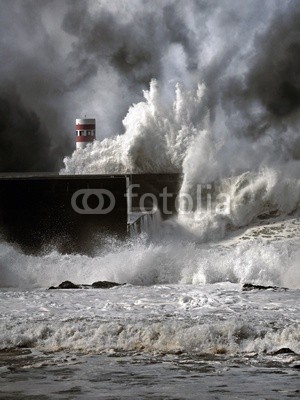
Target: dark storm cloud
{"points": [[179, 32], [31, 91], [104, 37], [58, 52], [267, 95], [25, 142], [134, 48], [275, 75]]}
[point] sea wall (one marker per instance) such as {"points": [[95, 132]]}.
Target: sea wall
{"points": [[74, 212]]}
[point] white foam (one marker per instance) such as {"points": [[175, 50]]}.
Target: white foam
{"points": [[210, 319], [156, 137], [248, 256], [248, 195], [161, 136]]}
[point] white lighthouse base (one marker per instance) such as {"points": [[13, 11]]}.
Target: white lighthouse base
{"points": [[81, 145]]}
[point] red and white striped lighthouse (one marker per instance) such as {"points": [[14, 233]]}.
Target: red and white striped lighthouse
{"points": [[85, 132]]}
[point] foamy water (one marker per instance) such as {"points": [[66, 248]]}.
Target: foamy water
{"points": [[266, 253], [196, 303], [164, 318], [156, 137]]}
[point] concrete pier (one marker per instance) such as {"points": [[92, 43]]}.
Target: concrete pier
{"points": [[75, 213]]}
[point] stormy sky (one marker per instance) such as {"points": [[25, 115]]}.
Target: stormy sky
{"points": [[63, 59]]}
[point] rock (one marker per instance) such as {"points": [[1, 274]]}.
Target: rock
{"points": [[249, 286], [68, 285], [95, 285], [65, 285], [105, 285], [284, 350], [270, 214]]}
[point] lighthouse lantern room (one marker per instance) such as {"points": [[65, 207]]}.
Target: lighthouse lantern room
{"points": [[85, 132]]}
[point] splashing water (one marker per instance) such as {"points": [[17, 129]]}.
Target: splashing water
{"points": [[174, 137], [265, 257], [164, 137], [156, 137]]}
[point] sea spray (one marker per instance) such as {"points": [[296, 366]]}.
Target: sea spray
{"points": [[247, 196], [262, 254], [178, 137], [156, 138], [165, 137]]}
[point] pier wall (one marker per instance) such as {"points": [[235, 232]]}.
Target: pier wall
{"points": [[36, 211]]}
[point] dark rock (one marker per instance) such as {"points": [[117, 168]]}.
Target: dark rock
{"points": [[95, 285], [270, 214], [284, 350], [249, 286], [105, 285], [68, 285]]}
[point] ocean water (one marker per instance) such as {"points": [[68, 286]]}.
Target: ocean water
{"points": [[181, 326]]}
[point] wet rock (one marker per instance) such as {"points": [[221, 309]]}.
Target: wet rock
{"points": [[105, 284], [249, 286], [270, 214], [65, 285], [284, 350], [68, 285], [95, 285]]}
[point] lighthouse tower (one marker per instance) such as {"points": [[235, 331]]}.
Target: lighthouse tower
{"points": [[85, 132]]}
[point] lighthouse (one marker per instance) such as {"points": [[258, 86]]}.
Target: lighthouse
{"points": [[85, 132]]}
